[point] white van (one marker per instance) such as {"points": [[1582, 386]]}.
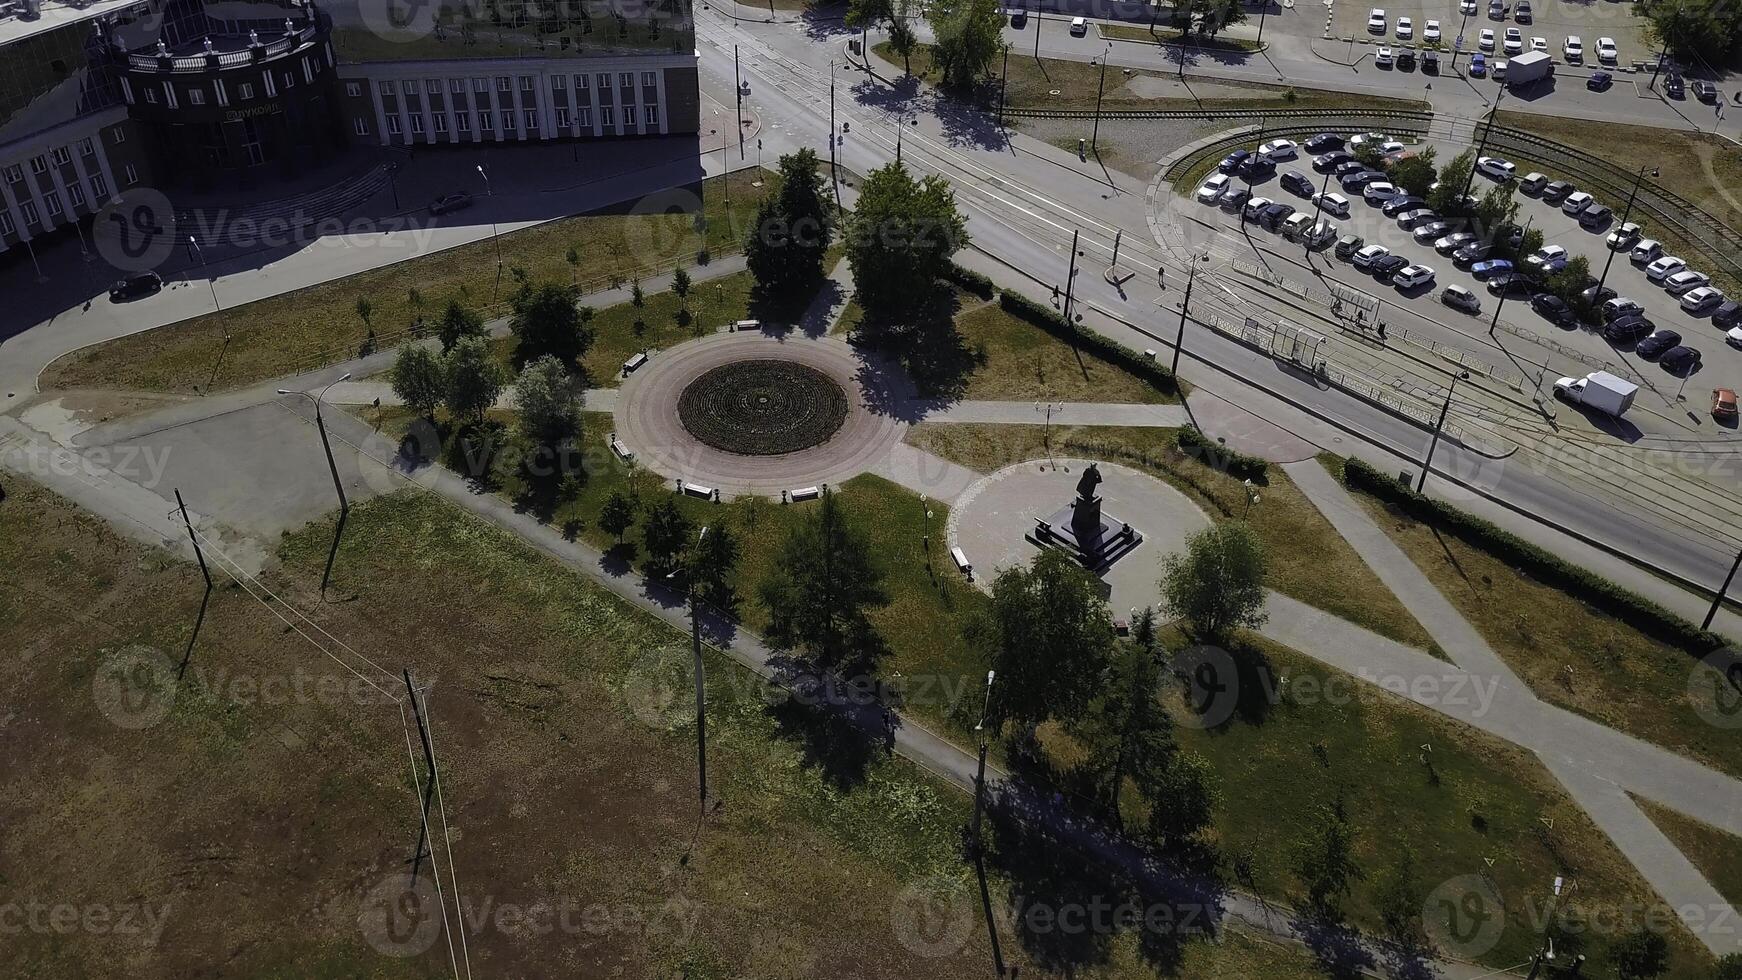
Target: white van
{"points": [[1079, 27]]}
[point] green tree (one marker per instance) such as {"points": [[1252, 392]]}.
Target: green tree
{"points": [[1183, 798], [1400, 898], [1694, 30], [711, 564], [1447, 198], [475, 379], [618, 515], [1369, 156], [1217, 584], [822, 588], [665, 533], [1324, 859], [636, 295], [364, 308], [901, 34], [1415, 174], [573, 258], [862, 14], [1050, 634], [1125, 725], [793, 230], [1497, 208], [546, 322], [1571, 281], [899, 241], [1218, 14], [1640, 955], [1729, 967], [457, 322], [680, 284], [968, 35], [418, 379], [544, 398]]}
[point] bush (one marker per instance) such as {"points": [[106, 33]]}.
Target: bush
{"points": [[1192, 441], [1629, 607], [972, 281], [1111, 351]]}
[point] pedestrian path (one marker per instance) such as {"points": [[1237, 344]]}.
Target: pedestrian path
{"points": [[1061, 413]]}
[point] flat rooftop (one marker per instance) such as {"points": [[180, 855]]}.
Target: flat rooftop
{"points": [[13, 27]]}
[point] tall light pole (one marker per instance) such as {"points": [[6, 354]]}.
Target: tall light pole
{"points": [[1546, 948], [1070, 279], [974, 833], [1179, 340], [1483, 145], [701, 686], [1100, 90], [495, 236], [338, 485], [738, 93], [1501, 304], [1003, 80], [1263, 8], [194, 244], [1723, 590], [1441, 424], [1625, 213]]}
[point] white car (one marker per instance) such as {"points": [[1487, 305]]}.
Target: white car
{"points": [[1734, 337], [1332, 203], [1606, 52], [1391, 147], [1498, 72], [1646, 250], [1212, 189], [1405, 29], [1362, 139], [1539, 44], [1685, 280], [1412, 276], [1485, 40], [1382, 58], [1379, 192], [1279, 150], [1701, 299], [1514, 43], [1365, 257], [1376, 21], [1574, 48], [1662, 268], [1549, 258], [1079, 27], [1254, 206], [1496, 168], [1430, 32], [1577, 201], [1624, 236], [1466, 7]]}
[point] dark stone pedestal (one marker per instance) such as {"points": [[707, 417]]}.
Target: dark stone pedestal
{"points": [[1097, 540]]}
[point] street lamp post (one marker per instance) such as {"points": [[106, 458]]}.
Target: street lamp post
{"points": [[1179, 340], [495, 236], [1501, 304], [1441, 424], [194, 244], [1003, 80], [1545, 950], [1483, 145], [1723, 590], [338, 485], [1100, 90], [1459, 44], [1625, 213], [1263, 8]]}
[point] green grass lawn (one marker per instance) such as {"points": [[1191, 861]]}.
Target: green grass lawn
{"points": [[1309, 560], [1025, 363], [1711, 850], [1569, 654], [320, 324]]}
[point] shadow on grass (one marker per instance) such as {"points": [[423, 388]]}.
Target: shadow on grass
{"points": [[841, 726], [1339, 950], [1225, 685]]}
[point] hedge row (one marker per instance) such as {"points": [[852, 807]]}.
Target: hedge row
{"points": [[1192, 441], [1115, 353], [972, 281], [1629, 607]]}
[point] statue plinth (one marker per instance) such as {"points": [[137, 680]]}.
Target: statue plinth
{"points": [[1095, 538]]}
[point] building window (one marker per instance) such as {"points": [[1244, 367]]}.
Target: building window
{"points": [[604, 82], [29, 211], [432, 86], [360, 126], [408, 86], [393, 125], [526, 83], [441, 122], [456, 85], [531, 118], [562, 118], [151, 96], [463, 122], [99, 187], [62, 156], [39, 165], [650, 115], [584, 117], [117, 136], [649, 79], [52, 199], [6, 226], [245, 91], [386, 88], [556, 83], [479, 85], [14, 174], [417, 122], [580, 83], [507, 121], [502, 83], [352, 89], [76, 194], [86, 147], [196, 96], [625, 79], [131, 175], [607, 117]]}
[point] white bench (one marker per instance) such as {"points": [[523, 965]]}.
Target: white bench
{"points": [[962, 562], [621, 450], [694, 490], [807, 493], [630, 365], [743, 325]]}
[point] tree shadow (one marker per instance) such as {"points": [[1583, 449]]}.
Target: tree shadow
{"points": [[825, 22], [1338, 949], [840, 725], [927, 347], [1225, 685]]}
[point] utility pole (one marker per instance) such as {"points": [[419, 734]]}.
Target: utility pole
{"points": [[738, 91], [1003, 79], [1717, 600], [200, 556], [1094, 139], [1263, 8], [1071, 278], [1492, 324], [1625, 213], [1179, 340], [834, 178], [495, 236], [338, 485], [701, 692], [1483, 145], [1039, 20], [1441, 424], [1318, 212]]}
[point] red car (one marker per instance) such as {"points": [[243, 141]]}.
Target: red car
{"points": [[1723, 403]]}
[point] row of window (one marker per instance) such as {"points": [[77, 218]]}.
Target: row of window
{"points": [[505, 83], [244, 90], [463, 120], [51, 200], [60, 156]]}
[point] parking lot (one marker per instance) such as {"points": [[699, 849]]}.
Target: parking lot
{"points": [[1721, 364], [1551, 20]]}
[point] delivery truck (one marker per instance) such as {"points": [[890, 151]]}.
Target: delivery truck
{"points": [[1599, 390], [1528, 69]]}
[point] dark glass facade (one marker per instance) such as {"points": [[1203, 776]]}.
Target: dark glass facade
{"points": [[430, 30]]}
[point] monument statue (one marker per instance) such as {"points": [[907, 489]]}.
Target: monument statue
{"points": [[1091, 479], [1096, 540]]}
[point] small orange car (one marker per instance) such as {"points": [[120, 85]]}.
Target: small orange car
{"points": [[1723, 403]]}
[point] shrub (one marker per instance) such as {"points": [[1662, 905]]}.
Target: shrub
{"points": [[1111, 351], [1582, 585], [971, 281], [1192, 441]]}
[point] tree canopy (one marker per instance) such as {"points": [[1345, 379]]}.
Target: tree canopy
{"points": [[1050, 635], [544, 396], [475, 379], [666, 533], [418, 379], [792, 234], [1217, 584], [968, 36], [547, 323], [1694, 30], [823, 585], [899, 241], [458, 321]]}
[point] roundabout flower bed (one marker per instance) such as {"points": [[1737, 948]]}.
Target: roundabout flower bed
{"points": [[762, 407]]}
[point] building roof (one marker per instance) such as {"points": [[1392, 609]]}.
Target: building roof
{"points": [[14, 27]]}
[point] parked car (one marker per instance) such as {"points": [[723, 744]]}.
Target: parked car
{"points": [[1533, 182], [1323, 143], [1382, 58], [1511, 284], [1672, 86], [1478, 66], [1376, 21], [1606, 52], [1596, 217], [1596, 295], [1295, 227], [1232, 162], [1700, 299], [1416, 216], [1348, 245], [1628, 330], [1549, 258], [1405, 29], [1573, 49], [1257, 169], [1705, 91], [1329, 162], [1512, 42], [1653, 346], [1428, 232], [1472, 252], [1332, 203], [1490, 268], [1234, 199], [1521, 13], [1597, 81], [1685, 280], [1734, 337], [1400, 204], [1617, 307], [1254, 207], [1212, 188], [1388, 266], [134, 286], [1413, 276], [1348, 167], [1298, 183], [1366, 255], [1556, 191], [456, 201], [1079, 27], [1448, 244], [1459, 298], [1537, 43], [1552, 308], [1358, 181], [1575, 202], [1680, 360], [1624, 237], [1379, 191], [1646, 250], [1723, 403], [1272, 217], [1430, 32], [1486, 39], [1279, 150], [1728, 315], [1019, 18], [1664, 267], [1500, 68]]}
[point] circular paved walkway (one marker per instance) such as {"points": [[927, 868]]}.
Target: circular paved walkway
{"points": [[991, 519], [647, 414]]}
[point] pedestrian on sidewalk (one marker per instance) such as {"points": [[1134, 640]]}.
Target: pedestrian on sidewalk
{"points": [[1161, 276], [1381, 329]]}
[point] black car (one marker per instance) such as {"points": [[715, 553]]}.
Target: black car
{"points": [[1400, 204], [1728, 315], [1018, 18], [1472, 253], [1672, 86], [1596, 296], [1552, 308], [1349, 166], [1257, 168], [1521, 13], [1657, 343], [1323, 143], [1556, 191], [1628, 330], [1298, 183], [1680, 360], [1272, 217], [134, 286], [1332, 160], [1234, 199], [1406, 60], [1360, 179], [1386, 267], [1232, 162], [1599, 81], [1511, 284]]}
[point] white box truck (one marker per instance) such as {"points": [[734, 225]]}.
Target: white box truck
{"points": [[1528, 68], [1599, 390]]}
